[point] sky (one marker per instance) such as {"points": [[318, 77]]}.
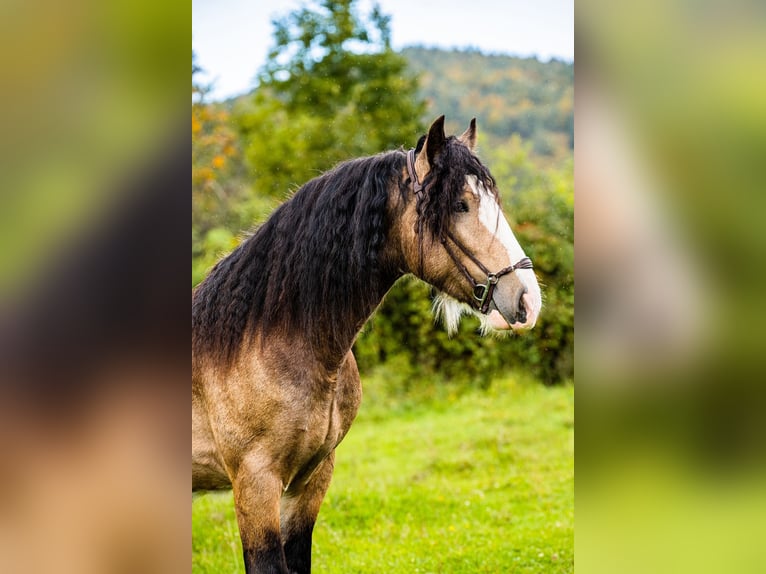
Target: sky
{"points": [[232, 37]]}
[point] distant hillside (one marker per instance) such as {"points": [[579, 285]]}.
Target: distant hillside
{"points": [[508, 95]]}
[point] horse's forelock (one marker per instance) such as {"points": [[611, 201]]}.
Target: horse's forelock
{"points": [[444, 185]]}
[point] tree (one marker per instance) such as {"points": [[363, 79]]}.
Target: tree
{"points": [[213, 148], [332, 89], [214, 155]]}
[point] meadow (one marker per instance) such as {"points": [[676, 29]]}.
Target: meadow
{"points": [[440, 479]]}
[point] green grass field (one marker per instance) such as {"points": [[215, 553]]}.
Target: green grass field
{"points": [[477, 481]]}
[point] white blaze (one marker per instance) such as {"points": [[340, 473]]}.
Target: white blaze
{"points": [[493, 219]]}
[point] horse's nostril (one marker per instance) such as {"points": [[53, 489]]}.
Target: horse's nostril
{"points": [[521, 314]]}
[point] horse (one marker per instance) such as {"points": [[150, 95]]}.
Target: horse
{"points": [[275, 386]]}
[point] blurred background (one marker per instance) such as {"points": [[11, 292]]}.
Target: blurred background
{"points": [[93, 283], [671, 135]]}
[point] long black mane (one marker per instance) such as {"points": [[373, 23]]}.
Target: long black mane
{"points": [[315, 264]]}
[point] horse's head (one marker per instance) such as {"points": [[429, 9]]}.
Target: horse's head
{"points": [[457, 239]]}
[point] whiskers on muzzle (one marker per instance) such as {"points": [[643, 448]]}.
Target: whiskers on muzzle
{"points": [[450, 311]]}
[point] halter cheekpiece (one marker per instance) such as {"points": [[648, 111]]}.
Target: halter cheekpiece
{"points": [[482, 292]]}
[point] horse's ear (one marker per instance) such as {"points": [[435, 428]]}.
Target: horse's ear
{"points": [[468, 138], [435, 140], [431, 148]]}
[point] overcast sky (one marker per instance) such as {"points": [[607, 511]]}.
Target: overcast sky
{"points": [[231, 37]]}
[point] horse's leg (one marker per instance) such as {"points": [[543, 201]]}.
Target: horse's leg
{"points": [[300, 508], [256, 498]]}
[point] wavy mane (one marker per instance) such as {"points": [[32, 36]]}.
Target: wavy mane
{"points": [[314, 262], [314, 266]]}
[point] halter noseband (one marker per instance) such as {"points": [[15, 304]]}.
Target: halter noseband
{"points": [[482, 292]]}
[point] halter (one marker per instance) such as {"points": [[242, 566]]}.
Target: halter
{"points": [[482, 292]]}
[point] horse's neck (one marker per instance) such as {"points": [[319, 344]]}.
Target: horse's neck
{"points": [[332, 356]]}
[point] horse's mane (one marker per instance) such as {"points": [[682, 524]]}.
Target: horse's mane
{"points": [[312, 263], [315, 261]]}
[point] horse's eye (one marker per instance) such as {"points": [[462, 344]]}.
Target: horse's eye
{"points": [[461, 207]]}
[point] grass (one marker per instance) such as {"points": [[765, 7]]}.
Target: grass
{"points": [[481, 481]]}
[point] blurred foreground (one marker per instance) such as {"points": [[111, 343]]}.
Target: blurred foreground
{"points": [[93, 285]]}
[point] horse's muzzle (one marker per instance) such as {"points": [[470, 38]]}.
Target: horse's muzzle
{"points": [[517, 302], [526, 316]]}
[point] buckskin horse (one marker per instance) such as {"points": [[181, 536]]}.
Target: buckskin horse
{"points": [[275, 385]]}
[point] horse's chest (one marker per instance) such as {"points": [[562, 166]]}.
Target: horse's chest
{"points": [[325, 422], [328, 421], [289, 423]]}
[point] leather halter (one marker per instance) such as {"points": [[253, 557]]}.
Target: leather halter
{"points": [[417, 187], [482, 292]]}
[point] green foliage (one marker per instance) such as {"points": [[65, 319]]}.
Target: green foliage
{"points": [[508, 95], [403, 331], [540, 206], [469, 483], [332, 89], [321, 53], [222, 201]]}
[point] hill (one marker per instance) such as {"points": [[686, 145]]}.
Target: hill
{"points": [[508, 95]]}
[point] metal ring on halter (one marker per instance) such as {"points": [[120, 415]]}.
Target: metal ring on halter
{"points": [[482, 297]]}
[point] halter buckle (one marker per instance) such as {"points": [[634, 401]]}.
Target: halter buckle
{"points": [[480, 293]]}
